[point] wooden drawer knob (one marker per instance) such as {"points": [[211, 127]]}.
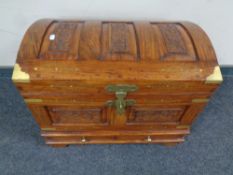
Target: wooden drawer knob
{"points": [[83, 140]]}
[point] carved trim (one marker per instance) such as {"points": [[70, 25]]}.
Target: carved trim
{"points": [[119, 39]]}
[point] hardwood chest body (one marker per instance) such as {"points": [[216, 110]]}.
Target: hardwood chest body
{"points": [[89, 82]]}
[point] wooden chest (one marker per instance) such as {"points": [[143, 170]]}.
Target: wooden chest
{"points": [[89, 82]]}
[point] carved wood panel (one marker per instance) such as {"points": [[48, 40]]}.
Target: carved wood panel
{"points": [[175, 43], [62, 37], [61, 41], [119, 41], [172, 38], [155, 115], [77, 116]]}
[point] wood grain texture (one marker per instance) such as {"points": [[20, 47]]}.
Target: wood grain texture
{"points": [[31, 43], [70, 63]]}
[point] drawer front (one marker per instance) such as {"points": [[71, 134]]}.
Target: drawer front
{"points": [[115, 139]]}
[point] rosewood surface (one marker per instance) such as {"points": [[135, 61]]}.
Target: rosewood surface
{"points": [[63, 68]]}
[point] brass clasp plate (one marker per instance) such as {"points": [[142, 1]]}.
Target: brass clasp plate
{"points": [[121, 92]]}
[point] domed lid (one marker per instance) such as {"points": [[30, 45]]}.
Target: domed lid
{"points": [[110, 50]]}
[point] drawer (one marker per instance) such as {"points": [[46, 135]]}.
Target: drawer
{"points": [[115, 139], [64, 138]]}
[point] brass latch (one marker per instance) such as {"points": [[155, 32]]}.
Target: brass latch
{"points": [[121, 92]]}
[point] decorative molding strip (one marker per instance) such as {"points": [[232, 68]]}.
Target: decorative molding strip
{"points": [[6, 72]]}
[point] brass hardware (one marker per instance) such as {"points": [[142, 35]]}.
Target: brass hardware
{"points": [[183, 127], [83, 140], [124, 88], [48, 129], [20, 76], [215, 77], [33, 100], [121, 92], [200, 100], [148, 139]]}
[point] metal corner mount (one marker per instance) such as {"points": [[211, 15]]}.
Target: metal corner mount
{"points": [[33, 100], [200, 100], [215, 77], [20, 76]]}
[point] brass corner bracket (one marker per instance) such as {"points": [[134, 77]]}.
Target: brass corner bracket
{"points": [[200, 100], [215, 77], [33, 100], [20, 76]]}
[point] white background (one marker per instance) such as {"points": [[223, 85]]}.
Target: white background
{"points": [[214, 16]]}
